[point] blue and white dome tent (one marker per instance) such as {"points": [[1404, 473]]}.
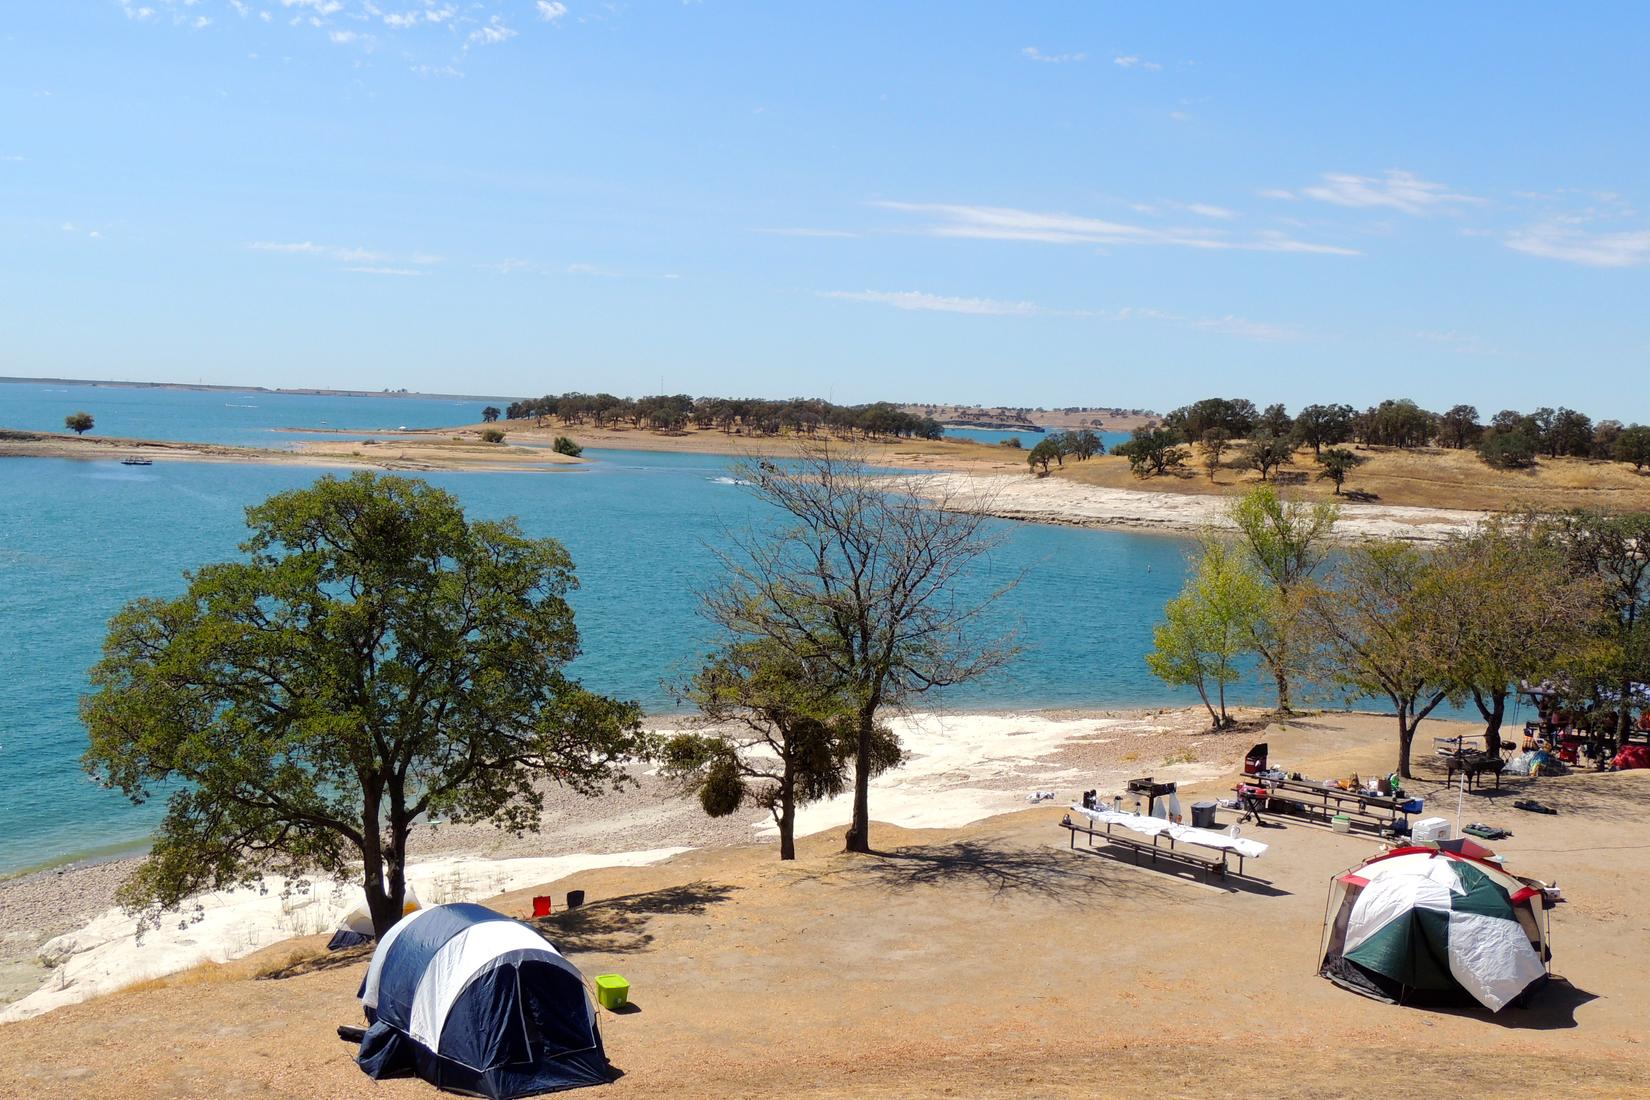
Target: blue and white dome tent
{"points": [[474, 1002]]}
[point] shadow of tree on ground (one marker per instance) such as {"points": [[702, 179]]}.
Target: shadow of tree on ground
{"points": [[1001, 868], [618, 926]]}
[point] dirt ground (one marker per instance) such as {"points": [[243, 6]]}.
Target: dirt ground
{"points": [[985, 961]]}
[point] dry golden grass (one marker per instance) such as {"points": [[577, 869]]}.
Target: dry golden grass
{"points": [[1423, 479]]}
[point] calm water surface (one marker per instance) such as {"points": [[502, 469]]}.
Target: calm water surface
{"points": [[79, 539]]}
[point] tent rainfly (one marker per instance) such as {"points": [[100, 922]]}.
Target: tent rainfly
{"points": [[475, 1002], [1430, 925], [355, 927]]}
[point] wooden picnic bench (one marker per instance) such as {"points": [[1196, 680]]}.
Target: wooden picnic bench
{"points": [[1380, 811], [1214, 863]]}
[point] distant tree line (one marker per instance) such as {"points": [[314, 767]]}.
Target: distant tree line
{"points": [[1510, 439], [744, 416]]}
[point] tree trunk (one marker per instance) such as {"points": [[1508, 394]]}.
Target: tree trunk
{"points": [[1494, 712], [859, 832], [787, 813], [1203, 694], [1406, 734], [1624, 712], [1282, 679]]}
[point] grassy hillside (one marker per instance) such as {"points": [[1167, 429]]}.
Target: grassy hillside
{"points": [[1430, 478]]}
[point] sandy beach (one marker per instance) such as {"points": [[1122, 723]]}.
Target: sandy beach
{"points": [[981, 958], [66, 941]]}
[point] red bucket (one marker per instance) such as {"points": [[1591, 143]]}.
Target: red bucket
{"points": [[541, 906]]}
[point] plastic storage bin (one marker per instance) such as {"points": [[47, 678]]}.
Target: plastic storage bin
{"points": [[612, 991]]}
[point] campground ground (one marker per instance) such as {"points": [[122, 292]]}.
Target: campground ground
{"points": [[986, 960]]}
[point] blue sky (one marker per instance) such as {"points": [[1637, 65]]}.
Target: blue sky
{"points": [[1027, 204]]}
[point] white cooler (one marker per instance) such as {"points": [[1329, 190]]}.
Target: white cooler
{"points": [[1429, 829]]}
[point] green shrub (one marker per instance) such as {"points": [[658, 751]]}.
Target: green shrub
{"points": [[1507, 450], [565, 446], [492, 435]]}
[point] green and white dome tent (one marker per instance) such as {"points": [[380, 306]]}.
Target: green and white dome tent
{"points": [[1432, 924]]}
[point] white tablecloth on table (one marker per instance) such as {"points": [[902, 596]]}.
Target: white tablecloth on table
{"points": [[1181, 834]]}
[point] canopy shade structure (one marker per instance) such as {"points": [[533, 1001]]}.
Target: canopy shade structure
{"points": [[1427, 925], [474, 1002]]}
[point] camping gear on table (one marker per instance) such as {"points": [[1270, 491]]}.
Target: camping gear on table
{"points": [[1432, 925], [356, 926], [475, 1002], [1254, 763], [1161, 799]]}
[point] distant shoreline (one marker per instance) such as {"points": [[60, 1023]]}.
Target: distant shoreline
{"points": [[203, 387], [390, 453]]}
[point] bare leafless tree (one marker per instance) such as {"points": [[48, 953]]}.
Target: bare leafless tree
{"points": [[860, 577]]}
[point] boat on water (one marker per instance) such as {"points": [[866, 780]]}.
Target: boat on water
{"points": [[134, 460]]}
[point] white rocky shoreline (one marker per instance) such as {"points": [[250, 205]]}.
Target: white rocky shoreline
{"points": [[1052, 500]]}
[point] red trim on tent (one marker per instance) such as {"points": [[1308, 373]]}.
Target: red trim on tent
{"points": [[1423, 850], [1524, 895], [1354, 880]]}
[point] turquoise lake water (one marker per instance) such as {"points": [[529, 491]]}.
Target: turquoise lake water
{"points": [[78, 539]]}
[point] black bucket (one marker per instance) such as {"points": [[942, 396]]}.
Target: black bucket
{"points": [[1203, 815], [575, 898]]}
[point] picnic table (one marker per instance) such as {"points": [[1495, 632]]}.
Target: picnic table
{"points": [[1473, 764], [1182, 840], [1363, 807]]}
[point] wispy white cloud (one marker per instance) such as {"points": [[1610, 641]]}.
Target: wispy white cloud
{"points": [[1574, 244], [1004, 223], [327, 251], [921, 301], [1032, 53], [597, 271], [1245, 329], [510, 265], [551, 10], [1209, 210], [491, 33], [939, 303], [1462, 342], [1132, 61], [804, 231], [367, 261], [1397, 190]]}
